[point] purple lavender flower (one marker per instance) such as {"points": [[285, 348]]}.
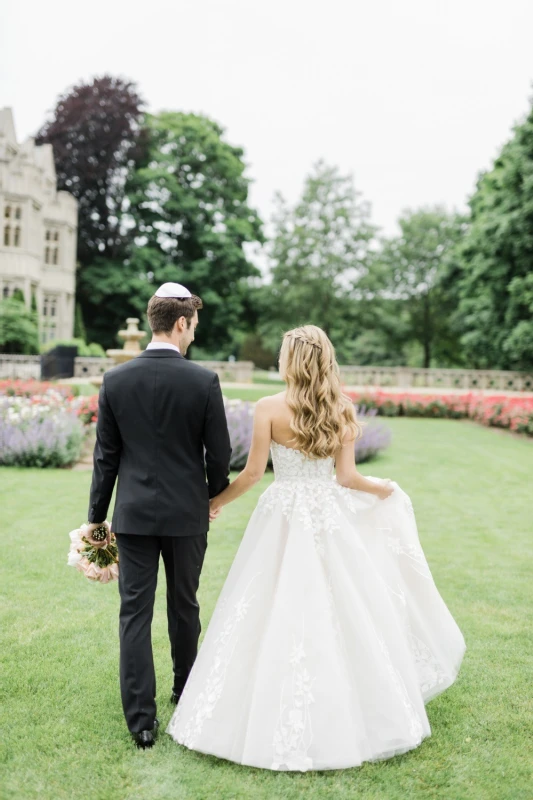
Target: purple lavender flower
{"points": [[239, 415], [375, 437], [48, 440]]}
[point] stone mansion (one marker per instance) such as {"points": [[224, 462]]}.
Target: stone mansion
{"points": [[37, 233]]}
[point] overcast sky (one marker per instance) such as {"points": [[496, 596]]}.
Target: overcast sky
{"points": [[414, 97]]}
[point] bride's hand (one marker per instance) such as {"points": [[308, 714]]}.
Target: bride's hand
{"points": [[386, 489], [214, 509]]}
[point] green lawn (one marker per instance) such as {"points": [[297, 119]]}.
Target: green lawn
{"points": [[252, 393], [63, 734]]}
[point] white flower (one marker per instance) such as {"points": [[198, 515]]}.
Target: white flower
{"points": [[75, 536], [73, 558]]}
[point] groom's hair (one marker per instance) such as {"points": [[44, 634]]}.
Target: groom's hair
{"points": [[164, 312]]}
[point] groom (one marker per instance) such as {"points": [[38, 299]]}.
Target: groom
{"points": [[162, 430]]}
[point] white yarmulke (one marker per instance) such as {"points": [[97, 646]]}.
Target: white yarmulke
{"points": [[172, 290]]}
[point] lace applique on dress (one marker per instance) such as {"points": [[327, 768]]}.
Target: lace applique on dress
{"points": [[207, 699], [294, 733], [415, 554], [430, 672], [415, 723], [306, 488]]}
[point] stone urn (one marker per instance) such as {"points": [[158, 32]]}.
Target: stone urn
{"points": [[132, 338]]}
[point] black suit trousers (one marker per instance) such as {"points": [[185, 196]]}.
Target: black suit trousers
{"points": [[183, 558]]}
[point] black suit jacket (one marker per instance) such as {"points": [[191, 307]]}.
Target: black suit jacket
{"points": [[162, 430]]}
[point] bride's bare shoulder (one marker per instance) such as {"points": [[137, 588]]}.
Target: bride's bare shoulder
{"points": [[273, 404], [273, 400]]}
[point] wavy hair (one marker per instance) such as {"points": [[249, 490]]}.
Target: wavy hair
{"points": [[322, 414]]}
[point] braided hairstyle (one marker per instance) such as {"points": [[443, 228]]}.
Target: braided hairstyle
{"points": [[322, 414]]}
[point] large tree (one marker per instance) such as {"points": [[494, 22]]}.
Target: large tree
{"points": [[496, 285], [319, 252], [414, 269], [97, 135], [191, 221]]}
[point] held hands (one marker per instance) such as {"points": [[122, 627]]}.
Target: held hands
{"points": [[386, 489], [215, 509], [91, 527]]}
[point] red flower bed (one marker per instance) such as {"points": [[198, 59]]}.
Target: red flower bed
{"points": [[87, 409], [501, 411], [41, 392], [32, 388]]}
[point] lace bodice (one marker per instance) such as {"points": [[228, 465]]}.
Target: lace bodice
{"points": [[291, 464]]}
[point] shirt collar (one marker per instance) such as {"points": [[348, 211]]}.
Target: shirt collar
{"points": [[162, 346]]}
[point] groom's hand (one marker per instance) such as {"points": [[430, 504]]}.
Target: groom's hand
{"points": [[92, 526]]}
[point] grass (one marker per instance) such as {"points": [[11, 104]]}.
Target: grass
{"points": [[253, 393], [63, 732]]}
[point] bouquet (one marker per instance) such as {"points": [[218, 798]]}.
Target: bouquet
{"points": [[97, 563]]}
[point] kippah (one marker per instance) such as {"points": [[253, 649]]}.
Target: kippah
{"points": [[173, 290]]}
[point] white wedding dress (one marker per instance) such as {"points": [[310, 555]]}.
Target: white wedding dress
{"points": [[329, 635]]}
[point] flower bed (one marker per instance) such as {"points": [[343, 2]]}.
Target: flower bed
{"points": [[42, 425], [33, 388], [501, 411], [39, 425], [87, 409]]}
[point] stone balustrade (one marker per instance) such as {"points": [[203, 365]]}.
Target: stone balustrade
{"points": [[20, 367], [466, 379], [227, 371], [91, 367], [29, 367], [231, 371]]}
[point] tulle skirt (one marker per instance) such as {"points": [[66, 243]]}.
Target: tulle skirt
{"points": [[328, 638]]}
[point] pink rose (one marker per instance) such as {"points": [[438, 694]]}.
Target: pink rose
{"points": [[92, 572]]}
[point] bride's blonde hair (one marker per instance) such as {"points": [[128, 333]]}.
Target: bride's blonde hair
{"points": [[322, 414]]}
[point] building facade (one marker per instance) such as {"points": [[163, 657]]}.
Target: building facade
{"points": [[38, 227]]}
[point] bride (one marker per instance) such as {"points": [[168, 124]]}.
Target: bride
{"points": [[329, 635]]}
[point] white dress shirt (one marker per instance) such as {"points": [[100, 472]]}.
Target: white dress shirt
{"points": [[162, 346]]}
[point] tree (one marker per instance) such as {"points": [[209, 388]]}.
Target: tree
{"points": [[19, 333], [190, 218], [79, 326], [414, 269], [496, 261], [253, 349], [97, 135], [319, 253]]}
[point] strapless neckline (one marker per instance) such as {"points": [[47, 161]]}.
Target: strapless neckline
{"points": [[290, 463]]}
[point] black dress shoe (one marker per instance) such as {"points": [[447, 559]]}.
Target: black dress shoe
{"points": [[175, 698], [146, 739]]}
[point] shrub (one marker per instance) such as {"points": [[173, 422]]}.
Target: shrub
{"points": [[19, 334], [93, 349]]}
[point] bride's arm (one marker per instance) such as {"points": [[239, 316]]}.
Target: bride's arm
{"points": [[257, 459], [348, 475]]}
